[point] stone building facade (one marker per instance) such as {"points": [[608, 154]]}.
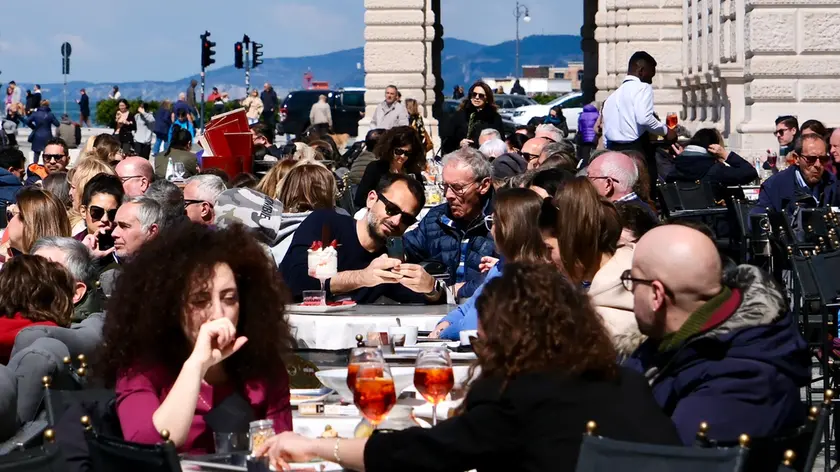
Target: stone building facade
{"points": [[731, 64]]}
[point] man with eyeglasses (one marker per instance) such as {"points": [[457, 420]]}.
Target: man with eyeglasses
{"points": [[614, 175], [390, 113], [787, 129], [365, 272], [728, 352], [56, 157], [531, 151], [806, 182], [455, 232], [136, 175], [200, 196]]}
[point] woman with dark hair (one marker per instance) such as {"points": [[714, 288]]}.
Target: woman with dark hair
{"points": [[208, 332], [587, 230], [124, 126], [101, 198], [476, 113], [178, 151], [41, 123], [38, 214], [58, 184], [813, 127], [517, 239], [398, 151], [33, 291], [547, 367], [705, 159]]}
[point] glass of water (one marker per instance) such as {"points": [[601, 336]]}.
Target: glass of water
{"points": [[180, 170]]}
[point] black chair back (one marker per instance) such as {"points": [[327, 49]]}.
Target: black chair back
{"points": [[599, 454], [827, 275], [112, 454], [46, 458]]}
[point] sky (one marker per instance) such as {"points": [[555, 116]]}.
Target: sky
{"points": [[124, 40]]}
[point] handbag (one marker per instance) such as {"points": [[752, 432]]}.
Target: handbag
{"points": [[428, 140]]}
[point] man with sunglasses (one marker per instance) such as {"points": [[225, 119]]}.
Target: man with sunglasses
{"points": [[728, 352], [365, 272], [806, 182], [531, 151], [390, 113], [56, 157]]}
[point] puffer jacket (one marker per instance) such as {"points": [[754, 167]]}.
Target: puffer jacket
{"points": [[586, 123], [10, 185], [439, 238]]}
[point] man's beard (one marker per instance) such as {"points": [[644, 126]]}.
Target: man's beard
{"points": [[373, 229]]}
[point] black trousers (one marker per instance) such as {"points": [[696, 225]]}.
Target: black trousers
{"points": [[143, 149], [270, 119]]}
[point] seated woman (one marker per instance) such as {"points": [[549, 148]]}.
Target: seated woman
{"points": [[209, 331], [547, 368], [33, 291], [705, 159], [306, 188], [517, 239], [398, 151], [101, 198], [38, 214], [588, 228]]}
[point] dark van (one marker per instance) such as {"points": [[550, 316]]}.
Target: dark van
{"points": [[347, 105]]}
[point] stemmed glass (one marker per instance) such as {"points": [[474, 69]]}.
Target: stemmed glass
{"points": [[433, 376], [374, 393], [359, 356], [179, 170]]}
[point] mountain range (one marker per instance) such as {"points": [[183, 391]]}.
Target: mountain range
{"points": [[462, 63]]}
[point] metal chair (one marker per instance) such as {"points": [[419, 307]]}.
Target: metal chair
{"points": [[45, 458], [109, 453], [599, 454]]}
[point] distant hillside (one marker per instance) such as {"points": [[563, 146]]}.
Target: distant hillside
{"points": [[463, 62]]}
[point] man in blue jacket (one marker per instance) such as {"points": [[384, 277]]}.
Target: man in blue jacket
{"points": [[456, 232], [727, 352], [806, 182], [12, 163]]}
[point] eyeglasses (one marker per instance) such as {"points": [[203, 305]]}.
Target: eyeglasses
{"points": [[604, 177], [629, 281], [811, 160], [488, 222], [401, 152], [96, 213], [782, 131], [129, 177], [458, 191], [194, 202], [392, 209], [478, 96], [528, 156], [53, 157]]}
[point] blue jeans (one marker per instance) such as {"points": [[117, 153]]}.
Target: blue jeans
{"points": [[159, 143]]}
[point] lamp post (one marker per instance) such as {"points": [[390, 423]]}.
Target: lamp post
{"points": [[521, 11]]}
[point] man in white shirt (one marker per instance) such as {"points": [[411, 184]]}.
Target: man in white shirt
{"points": [[389, 113], [320, 114], [628, 113]]}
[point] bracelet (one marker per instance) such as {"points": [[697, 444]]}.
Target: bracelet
{"points": [[335, 451]]}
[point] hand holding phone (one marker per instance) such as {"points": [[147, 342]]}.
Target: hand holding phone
{"points": [[396, 249]]}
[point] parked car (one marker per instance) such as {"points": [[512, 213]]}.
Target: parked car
{"points": [[572, 107], [348, 107]]}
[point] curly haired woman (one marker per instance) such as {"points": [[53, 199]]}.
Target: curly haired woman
{"points": [[214, 326], [398, 151], [547, 368]]}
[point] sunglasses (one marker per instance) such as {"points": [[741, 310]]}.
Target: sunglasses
{"points": [[96, 213], [782, 131], [529, 157], [401, 152], [392, 209], [193, 202], [812, 159], [53, 157], [479, 96]]}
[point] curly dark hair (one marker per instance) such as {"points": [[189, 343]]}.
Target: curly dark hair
{"points": [[37, 288], [400, 136], [534, 319], [144, 323]]}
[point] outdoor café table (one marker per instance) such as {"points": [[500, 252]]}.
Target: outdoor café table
{"points": [[338, 330]]}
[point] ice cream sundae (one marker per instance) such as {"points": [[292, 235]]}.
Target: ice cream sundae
{"points": [[323, 260]]}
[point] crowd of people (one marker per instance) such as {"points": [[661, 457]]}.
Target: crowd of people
{"points": [[589, 307]]}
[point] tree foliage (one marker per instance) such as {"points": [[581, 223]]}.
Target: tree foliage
{"points": [[106, 110]]}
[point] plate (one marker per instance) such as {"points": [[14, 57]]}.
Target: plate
{"points": [[337, 308], [303, 395]]}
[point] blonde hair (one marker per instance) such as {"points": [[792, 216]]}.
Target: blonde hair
{"points": [[411, 107], [80, 175], [270, 182], [307, 187]]}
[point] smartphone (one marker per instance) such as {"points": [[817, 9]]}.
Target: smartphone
{"points": [[395, 248], [106, 241]]}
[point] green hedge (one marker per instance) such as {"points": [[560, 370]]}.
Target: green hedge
{"points": [[543, 98], [106, 110]]}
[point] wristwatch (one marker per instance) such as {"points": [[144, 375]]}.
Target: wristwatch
{"points": [[440, 285]]}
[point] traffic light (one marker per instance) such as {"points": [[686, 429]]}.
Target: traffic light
{"points": [[207, 51], [257, 54], [237, 56]]}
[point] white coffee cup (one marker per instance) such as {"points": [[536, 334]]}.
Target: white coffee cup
{"points": [[465, 336], [410, 333]]}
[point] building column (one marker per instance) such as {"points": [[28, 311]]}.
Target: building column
{"points": [[399, 36]]}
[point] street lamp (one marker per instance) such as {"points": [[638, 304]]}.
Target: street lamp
{"points": [[521, 11]]}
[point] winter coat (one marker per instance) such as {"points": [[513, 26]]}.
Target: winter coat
{"points": [[41, 123], [291, 221], [439, 238], [782, 191], [67, 132], [10, 185], [253, 107], [163, 121], [357, 169], [458, 127], [741, 373], [465, 316], [695, 163], [586, 124]]}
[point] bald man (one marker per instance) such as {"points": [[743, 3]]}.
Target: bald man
{"points": [[531, 151], [727, 353], [615, 174], [136, 174], [834, 147]]}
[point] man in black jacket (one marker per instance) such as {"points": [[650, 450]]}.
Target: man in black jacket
{"points": [[270, 102], [705, 159]]}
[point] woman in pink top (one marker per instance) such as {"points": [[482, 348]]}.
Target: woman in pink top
{"points": [[197, 315]]}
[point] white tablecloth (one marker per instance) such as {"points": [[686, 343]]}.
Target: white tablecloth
{"points": [[339, 330]]}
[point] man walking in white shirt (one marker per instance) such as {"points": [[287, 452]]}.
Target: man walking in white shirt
{"points": [[628, 114], [320, 115], [389, 113]]}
